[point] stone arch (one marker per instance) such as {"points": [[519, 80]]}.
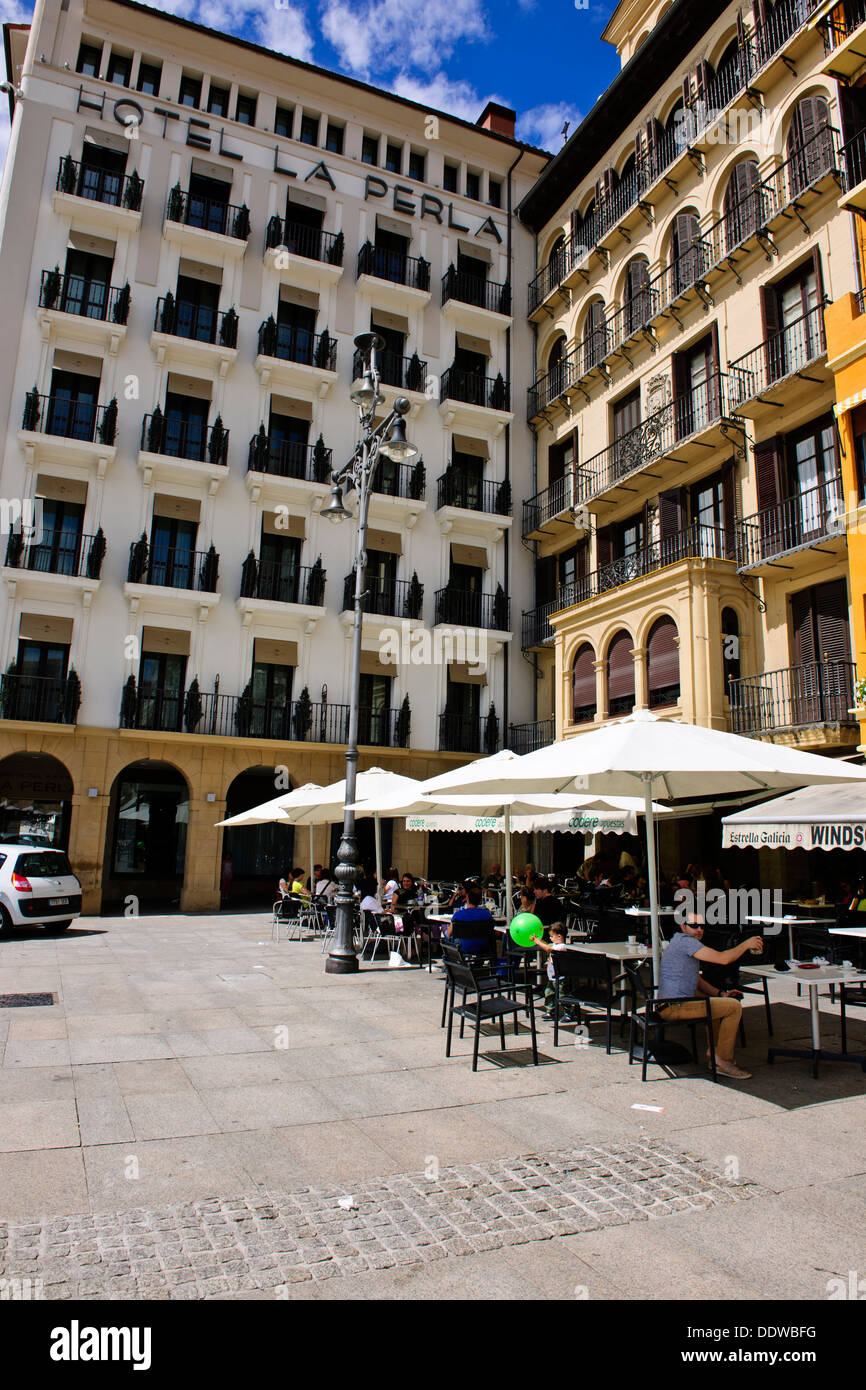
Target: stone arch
{"points": [[146, 841], [36, 791], [261, 854]]}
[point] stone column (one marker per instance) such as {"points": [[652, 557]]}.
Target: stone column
{"points": [[201, 880], [641, 680]]}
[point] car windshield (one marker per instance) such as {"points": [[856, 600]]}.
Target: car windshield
{"points": [[46, 864]]}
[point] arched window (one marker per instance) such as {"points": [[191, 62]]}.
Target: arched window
{"points": [[594, 336], [555, 370], [638, 295], [745, 204], [730, 647], [620, 674], [730, 76], [663, 664], [688, 261], [556, 260], [810, 145], [583, 696]]}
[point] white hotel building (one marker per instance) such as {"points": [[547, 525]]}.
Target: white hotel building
{"points": [[194, 230]]}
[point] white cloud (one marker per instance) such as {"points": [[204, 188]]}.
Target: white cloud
{"points": [[542, 125], [372, 35], [277, 24], [444, 94]]}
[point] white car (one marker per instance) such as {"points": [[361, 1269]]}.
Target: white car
{"points": [[37, 888]]}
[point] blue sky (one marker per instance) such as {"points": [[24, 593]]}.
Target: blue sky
{"points": [[543, 57]]}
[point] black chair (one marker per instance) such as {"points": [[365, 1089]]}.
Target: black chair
{"points": [[647, 1018], [488, 1004], [587, 921], [452, 952], [615, 925], [729, 976], [850, 995], [585, 981]]}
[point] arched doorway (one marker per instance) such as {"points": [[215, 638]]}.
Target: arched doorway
{"points": [[35, 799], [261, 854], [145, 850]]}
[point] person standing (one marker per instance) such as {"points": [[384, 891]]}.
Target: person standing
{"points": [[227, 876]]}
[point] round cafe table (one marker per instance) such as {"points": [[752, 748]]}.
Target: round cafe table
{"points": [[824, 974]]}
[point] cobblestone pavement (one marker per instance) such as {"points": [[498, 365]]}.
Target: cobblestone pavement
{"points": [[274, 1239]]}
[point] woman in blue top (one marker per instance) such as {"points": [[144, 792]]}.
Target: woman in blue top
{"points": [[680, 978]]}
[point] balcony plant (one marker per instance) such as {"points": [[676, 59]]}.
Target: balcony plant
{"points": [[138, 560], [121, 306], [210, 566], [71, 697], [323, 351], [192, 707], [423, 269], [128, 704], [10, 692], [244, 711], [31, 410], [415, 373], [14, 548], [504, 305], [503, 499], [500, 609], [96, 555], [241, 228], [418, 481], [249, 574], [268, 337], [859, 689], [274, 233], [491, 731], [51, 288], [108, 427], [335, 254], [316, 584], [415, 597], [499, 393], [321, 461], [229, 329], [174, 211], [404, 723], [168, 317], [156, 432], [218, 443], [66, 181], [302, 716], [133, 191]]}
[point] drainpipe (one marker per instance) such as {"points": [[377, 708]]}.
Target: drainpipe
{"points": [[507, 569]]}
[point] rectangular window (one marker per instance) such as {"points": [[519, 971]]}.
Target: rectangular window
{"points": [[119, 70], [190, 91], [89, 57], [309, 130], [473, 184], [417, 165], [334, 138], [393, 158], [494, 193], [149, 78], [370, 149], [218, 100], [858, 425], [449, 178], [284, 122], [245, 111]]}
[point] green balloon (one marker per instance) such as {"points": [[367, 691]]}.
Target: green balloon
{"points": [[524, 927]]}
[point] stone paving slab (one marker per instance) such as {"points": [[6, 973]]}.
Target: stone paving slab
{"points": [[274, 1239]]}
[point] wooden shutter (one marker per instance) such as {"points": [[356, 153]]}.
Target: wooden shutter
{"points": [[768, 472], [687, 90], [638, 148], [771, 325], [703, 77], [672, 511], [653, 140], [604, 546], [620, 668], [833, 629], [638, 278], [729, 507], [819, 274], [583, 559], [682, 374], [663, 657], [741, 35], [583, 684], [714, 393], [545, 580]]}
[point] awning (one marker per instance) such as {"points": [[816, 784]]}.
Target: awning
{"points": [[567, 822], [822, 817]]}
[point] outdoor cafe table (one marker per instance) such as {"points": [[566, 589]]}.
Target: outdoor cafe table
{"points": [[790, 923], [825, 974]]}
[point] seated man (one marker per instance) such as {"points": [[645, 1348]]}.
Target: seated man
{"points": [[472, 926], [494, 879], [548, 909], [680, 978]]}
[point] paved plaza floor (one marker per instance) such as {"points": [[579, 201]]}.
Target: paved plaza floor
{"points": [[203, 1113]]}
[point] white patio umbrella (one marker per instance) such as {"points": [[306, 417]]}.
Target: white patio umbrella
{"points": [[278, 810], [666, 758]]}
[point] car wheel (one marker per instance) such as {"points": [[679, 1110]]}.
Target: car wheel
{"points": [[5, 922], [52, 927]]}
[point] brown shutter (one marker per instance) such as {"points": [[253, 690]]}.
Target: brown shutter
{"points": [[672, 512], [663, 657], [834, 633], [768, 472], [576, 225], [741, 36], [583, 559], [682, 374], [638, 148], [604, 546], [819, 274], [803, 628], [771, 325], [620, 668], [729, 506], [715, 385], [703, 77], [583, 684], [687, 90]]}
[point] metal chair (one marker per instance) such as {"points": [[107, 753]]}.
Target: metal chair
{"points": [[650, 1023], [488, 1004], [586, 981], [286, 913], [381, 930]]}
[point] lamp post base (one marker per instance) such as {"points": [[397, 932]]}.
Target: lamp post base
{"points": [[341, 965]]}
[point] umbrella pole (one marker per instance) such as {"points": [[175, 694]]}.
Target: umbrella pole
{"points": [[649, 828], [312, 863], [377, 831], [509, 905]]}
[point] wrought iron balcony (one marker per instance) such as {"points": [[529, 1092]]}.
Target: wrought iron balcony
{"points": [[465, 608], [474, 389], [528, 738], [553, 384], [389, 598], [208, 214], [408, 373], [42, 699], [854, 162], [406, 480], [76, 556], [471, 289], [99, 185], [457, 489], [310, 463], [173, 567], [411, 271], [310, 242], [276, 582], [188, 438], [244, 716], [694, 542], [796, 697], [557, 500], [551, 275], [183, 319], [90, 299], [291, 344], [842, 23], [458, 734], [778, 357], [786, 19], [815, 515], [70, 419], [535, 628]]}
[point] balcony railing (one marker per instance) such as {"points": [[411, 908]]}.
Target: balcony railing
{"points": [[560, 497], [471, 289], [188, 438], [805, 167], [310, 242], [43, 699], [89, 299], [389, 598], [785, 19], [854, 162], [293, 344], [815, 515], [70, 418], [456, 489], [528, 738], [244, 716], [535, 628], [208, 214], [695, 542], [475, 389], [551, 275], [412, 271], [553, 384], [406, 480], [660, 434], [841, 23], [58, 552], [797, 697], [409, 373], [183, 319], [458, 734], [308, 462], [781, 355], [276, 582], [173, 567], [99, 185], [465, 608]]}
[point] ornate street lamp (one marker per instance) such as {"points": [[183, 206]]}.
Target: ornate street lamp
{"points": [[388, 438]]}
